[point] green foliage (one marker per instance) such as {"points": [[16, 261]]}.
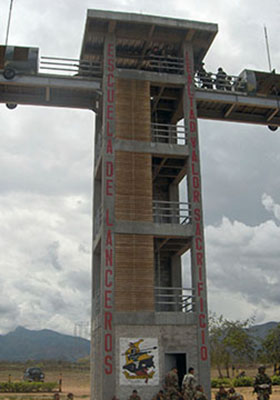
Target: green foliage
{"points": [[275, 379], [230, 342], [270, 351], [27, 387], [243, 381], [217, 382]]}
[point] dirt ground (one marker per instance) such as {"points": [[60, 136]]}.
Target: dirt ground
{"points": [[78, 382]]}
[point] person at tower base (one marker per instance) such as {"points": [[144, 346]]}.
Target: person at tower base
{"points": [[262, 384], [222, 394], [172, 384], [233, 395], [189, 385], [134, 395], [199, 393]]}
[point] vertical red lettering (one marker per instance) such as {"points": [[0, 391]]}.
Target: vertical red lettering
{"points": [[109, 168], [108, 320], [109, 187], [107, 218], [108, 298], [109, 257], [199, 258], [199, 288], [108, 342], [109, 147], [108, 365], [203, 353], [108, 282]]}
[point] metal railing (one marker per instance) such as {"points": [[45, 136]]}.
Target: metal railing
{"points": [[71, 65], [229, 83], [163, 63], [167, 133], [174, 299], [97, 221], [171, 212]]}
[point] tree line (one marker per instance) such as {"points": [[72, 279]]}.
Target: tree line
{"points": [[232, 345]]}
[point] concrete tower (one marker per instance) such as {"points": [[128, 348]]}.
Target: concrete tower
{"points": [[144, 321]]}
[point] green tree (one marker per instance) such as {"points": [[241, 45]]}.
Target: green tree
{"points": [[230, 342], [270, 351]]}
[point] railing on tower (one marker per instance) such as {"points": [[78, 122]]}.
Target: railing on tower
{"points": [[72, 65], [163, 63], [229, 83], [167, 299], [171, 212], [176, 299], [168, 133]]}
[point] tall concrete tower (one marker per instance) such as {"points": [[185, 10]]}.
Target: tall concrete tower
{"points": [[144, 319]]}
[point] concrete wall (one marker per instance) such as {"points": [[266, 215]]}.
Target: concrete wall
{"points": [[171, 339]]}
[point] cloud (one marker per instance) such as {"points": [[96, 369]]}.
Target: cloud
{"points": [[270, 205], [243, 266]]}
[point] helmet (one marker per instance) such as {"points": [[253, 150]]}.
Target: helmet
{"points": [[261, 368]]}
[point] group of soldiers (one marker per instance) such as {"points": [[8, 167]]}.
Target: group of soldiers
{"points": [[191, 390], [219, 81]]}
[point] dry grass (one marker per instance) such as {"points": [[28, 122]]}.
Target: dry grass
{"points": [[78, 382]]}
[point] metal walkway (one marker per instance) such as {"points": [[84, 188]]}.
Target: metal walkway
{"points": [[82, 91]]}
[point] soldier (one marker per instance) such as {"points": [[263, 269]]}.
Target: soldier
{"points": [[233, 395], [134, 395], [262, 384], [222, 394], [160, 395], [221, 79], [172, 384], [204, 77], [199, 393], [189, 385]]}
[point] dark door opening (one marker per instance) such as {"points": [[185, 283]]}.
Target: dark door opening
{"points": [[178, 360]]}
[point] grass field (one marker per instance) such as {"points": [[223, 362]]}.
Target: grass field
{"points": [[77, 381]]}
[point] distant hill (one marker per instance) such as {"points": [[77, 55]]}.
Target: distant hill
{"points": [[23, 344], [260, 331]]}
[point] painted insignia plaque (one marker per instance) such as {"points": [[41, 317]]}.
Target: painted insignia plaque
{"points": [[139, 361]]}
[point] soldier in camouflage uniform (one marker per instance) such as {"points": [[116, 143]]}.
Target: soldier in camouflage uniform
{"points": [[189, 384], [221, 394], [199, 393], [172, 385], [233, 395], [134, 395], [262, 384], [159, 396]]}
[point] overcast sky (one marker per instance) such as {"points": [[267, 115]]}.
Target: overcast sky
{"points": [[46, 168]]}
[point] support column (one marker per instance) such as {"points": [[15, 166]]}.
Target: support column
{"points": [[107, 363], [197, 244]]}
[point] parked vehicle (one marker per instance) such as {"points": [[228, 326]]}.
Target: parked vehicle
{"points": [[34, 374]]}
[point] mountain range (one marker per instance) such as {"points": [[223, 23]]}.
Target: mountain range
{"points": [[23, 344]]}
